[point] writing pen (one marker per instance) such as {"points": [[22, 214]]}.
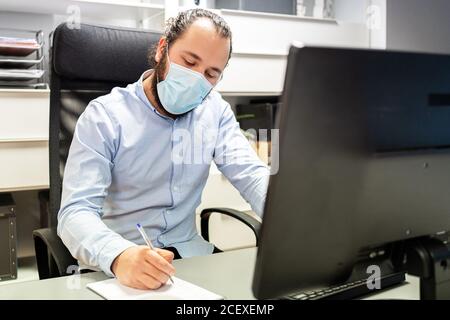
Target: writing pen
{"points": [[147, 241]]}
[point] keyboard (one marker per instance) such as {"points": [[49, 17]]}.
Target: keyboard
{"points": [[349, 290]]}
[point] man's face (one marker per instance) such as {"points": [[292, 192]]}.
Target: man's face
{"points": [[200, 48]]}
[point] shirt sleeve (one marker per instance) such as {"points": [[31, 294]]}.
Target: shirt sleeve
{"points": [[237, 160], [87, 177]]}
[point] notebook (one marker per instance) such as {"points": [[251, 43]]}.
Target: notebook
{"points": [[180, 290]]}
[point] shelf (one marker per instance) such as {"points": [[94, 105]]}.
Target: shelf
{"points": [[22, 57], [274, 15], [24, 188], [131, 4], [25, 140], [250, 94], [260, 54], [20, 74], [112, 9], [19, 63], [21, 90], [7, 50]]}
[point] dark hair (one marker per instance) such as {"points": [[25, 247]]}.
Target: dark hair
{"points": [[175, 27]]}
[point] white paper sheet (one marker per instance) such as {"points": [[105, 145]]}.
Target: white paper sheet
{"points": [[180, 290]]}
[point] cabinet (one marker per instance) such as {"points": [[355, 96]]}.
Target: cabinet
{"points": [[24, 139]]}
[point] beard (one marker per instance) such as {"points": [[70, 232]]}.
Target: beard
{"points": [[159, 71]]}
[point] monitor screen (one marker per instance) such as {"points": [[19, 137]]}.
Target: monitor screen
{"points": [[364, 160]]}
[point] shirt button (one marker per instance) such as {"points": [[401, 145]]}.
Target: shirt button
{"points": [[175, 188]]}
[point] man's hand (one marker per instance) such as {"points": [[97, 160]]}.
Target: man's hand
{"points": [[142, 268]]}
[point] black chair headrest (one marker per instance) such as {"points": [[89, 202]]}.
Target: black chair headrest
{"points": [[101, 53]]}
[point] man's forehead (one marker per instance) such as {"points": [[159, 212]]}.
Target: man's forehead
{"points": [[204, 23], [203, 39], [202, 28]]}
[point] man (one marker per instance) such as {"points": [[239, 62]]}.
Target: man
{"points": [[135, 159]]}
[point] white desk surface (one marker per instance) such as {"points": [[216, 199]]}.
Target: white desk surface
{"points": [[228, 274]]}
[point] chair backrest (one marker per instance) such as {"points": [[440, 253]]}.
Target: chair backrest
{"points": [[87, 62]]}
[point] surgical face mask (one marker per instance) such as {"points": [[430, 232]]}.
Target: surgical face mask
{"points": [[183, 89]]}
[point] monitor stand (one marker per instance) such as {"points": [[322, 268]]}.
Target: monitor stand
{"points": [[429, 259], [374, 271]]}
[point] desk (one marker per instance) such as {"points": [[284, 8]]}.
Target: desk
{"points": [[228, 274]]}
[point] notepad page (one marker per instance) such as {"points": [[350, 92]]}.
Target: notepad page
{"points": [[179, 290]]}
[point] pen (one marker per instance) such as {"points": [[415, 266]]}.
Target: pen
{"points": [[147, 240]]}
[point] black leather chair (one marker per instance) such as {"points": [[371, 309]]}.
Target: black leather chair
{"points": [[84, 64]]}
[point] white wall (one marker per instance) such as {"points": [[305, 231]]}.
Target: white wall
{"points": [[350, 10], [418, 25]]}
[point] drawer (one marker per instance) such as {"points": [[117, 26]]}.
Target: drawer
{"points": [[24, 165], [24, 115], [254, 74]]}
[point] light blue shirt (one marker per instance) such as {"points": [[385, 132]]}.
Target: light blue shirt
{"points": [[129, 164]]}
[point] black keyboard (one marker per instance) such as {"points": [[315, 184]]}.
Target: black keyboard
{"points": [[349, 290]]}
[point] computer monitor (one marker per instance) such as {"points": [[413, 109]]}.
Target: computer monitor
{"points": [[364, 161]]}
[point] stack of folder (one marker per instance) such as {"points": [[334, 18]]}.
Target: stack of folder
{"points": [[21, 61]]}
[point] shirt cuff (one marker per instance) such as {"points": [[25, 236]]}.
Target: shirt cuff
{"points": [[110, 252]]}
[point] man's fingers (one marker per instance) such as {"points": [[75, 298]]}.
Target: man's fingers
{"points": [[142, 268], [160, 263], [136, 284], [148, 281], [166, 254], [151, 270]]}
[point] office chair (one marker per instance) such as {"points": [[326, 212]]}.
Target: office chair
{"points": [[85, 63]]}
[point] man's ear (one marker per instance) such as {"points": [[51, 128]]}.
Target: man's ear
{"points": [[160, 50]]}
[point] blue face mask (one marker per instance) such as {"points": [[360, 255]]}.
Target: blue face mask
{"points": [[183, 89]]}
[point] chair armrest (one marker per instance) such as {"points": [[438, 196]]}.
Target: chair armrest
{"points": [[52, 256], [248, 220]]}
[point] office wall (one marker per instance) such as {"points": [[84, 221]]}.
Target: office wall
{"points": [[26, 21], [351, 11], [418, 25]]}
